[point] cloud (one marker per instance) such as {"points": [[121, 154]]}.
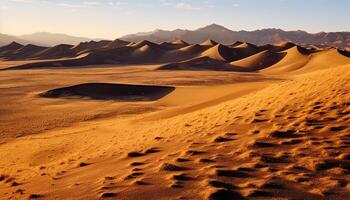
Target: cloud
{"points": [[84, 4], [72, 5], [23, 1], [91, 3], [187, 6]]}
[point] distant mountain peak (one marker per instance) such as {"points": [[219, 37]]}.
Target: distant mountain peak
{"points": [[213, 27]]}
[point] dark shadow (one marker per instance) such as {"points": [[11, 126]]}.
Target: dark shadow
{"points": [[108, 91]]}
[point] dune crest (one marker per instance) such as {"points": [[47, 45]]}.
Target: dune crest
{"points": [[219, 52], [237, 43], [258, 61], [180, 42], [296, 58], [143, 43], [325, 59], [117, 43], [208, 43]]}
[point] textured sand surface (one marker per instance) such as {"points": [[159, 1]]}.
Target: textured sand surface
{"points": [[279, 133]]}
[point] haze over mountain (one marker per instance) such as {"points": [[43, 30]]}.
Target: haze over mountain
{"points": [[43, 39], [6, 39], [259, 37], [51, 39]]}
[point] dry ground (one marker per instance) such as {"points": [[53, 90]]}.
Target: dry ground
{"points": [[219, 135]]}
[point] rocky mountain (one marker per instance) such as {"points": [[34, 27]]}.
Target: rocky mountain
{"points": [[259, 37]]}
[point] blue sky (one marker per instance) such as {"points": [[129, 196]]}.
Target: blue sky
{"points": [[114, 18]]}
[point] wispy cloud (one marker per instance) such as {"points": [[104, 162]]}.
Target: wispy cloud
{"points": [[23, 1], [187, 6], [91, 3], [72, 5]]}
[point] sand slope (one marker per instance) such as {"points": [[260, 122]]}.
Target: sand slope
{"points": [[296, 58], [325, 59], [235, 44], [11, 47], [180, 42], [91, 45], [208, 43], [117, 43], [199, 63], [25, 52], [59, 51], [6, 51], [258, 61], [219, 52], [289, 140], [278, 47]]}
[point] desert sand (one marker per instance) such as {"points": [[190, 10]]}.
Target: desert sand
{"points": [[120, 120]]}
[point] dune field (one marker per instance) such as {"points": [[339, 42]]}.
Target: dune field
{"points": [[173, 120]]}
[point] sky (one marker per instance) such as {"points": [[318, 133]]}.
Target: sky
{"points": [[110, 19]]}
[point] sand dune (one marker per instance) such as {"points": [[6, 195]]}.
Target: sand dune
{"points": [[278, 47], [7, 50], [246, 49], [59, 51], [246, 45], [240, 57], [180, 54], [200, 63], [220, 52], [117, 43], [91, 45], [11, 47], [25, 52], [167, 45], [208, 43], [174, 45], [143, 43], [194, 48], [325, 59], [296, 58], [147, 53], [237, 43], [180, 42], [344, 52], [258, 61], [104, 91]]}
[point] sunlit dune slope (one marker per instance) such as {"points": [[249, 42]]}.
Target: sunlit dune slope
{"points": [[289, 140]]}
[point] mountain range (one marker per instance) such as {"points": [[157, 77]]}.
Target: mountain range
{"points": [[260, 37], [43, 39], [214, 32]]}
